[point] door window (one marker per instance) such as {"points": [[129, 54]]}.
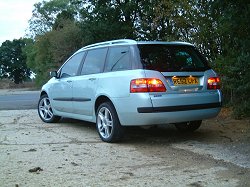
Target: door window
{"points": [[118, 59], [94, 61], [70, 68]]}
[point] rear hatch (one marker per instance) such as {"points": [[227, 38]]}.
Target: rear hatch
{"points": [[183, 70]]}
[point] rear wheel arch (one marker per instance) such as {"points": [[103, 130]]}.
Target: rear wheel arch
{"points": [[101, 99]]}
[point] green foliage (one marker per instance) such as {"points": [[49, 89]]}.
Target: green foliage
{"points": [[49, 51], [39, 58], [45, 14], [107, 20], [13, 61], [234, 61]]}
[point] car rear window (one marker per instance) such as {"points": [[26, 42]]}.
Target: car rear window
{"points": [[171, 58]]}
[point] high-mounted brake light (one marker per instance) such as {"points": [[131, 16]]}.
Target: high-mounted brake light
{"points": [[213, 83], [147, 85]]}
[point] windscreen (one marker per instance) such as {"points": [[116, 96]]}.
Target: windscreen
{"points": [[171, 58]]}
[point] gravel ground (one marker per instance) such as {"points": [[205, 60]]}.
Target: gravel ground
{"points": [[70, 153]]}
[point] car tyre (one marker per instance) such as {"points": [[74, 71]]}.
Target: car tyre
{"points": [[190, 126], [45, 110], [108, 124]]}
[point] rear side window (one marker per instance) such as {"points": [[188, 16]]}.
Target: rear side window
{"points": [[94, 61], [118, 59], [170, 58]]}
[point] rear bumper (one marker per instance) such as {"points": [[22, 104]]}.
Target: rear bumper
{"points": [[156, 118], [178, 108], [145, 109]]}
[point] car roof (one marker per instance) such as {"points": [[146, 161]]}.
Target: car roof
{"points": [[163, 43], [131, 42]]}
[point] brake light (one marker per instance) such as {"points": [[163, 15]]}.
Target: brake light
{"points": [[147, 85], [213, 83]]}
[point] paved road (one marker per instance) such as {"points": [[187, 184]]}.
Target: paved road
{"points": [[20, 101]]}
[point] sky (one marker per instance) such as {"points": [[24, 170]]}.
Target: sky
{"points": [[14, 17]]}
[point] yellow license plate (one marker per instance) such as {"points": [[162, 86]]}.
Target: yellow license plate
{"points": [[185, 80]]}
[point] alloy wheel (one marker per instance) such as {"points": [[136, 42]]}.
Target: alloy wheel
{"points": [[105, 122], [45, 109]]}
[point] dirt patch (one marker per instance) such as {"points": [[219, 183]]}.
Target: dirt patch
{"points": [[230, 128], [70, 153]]}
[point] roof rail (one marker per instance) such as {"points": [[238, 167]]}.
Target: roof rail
{"points": [[112, 42]]}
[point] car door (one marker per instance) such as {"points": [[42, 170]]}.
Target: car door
{"points": [[62, 89], [85, 85]]}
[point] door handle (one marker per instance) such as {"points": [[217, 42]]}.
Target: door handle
{"points": [[92, 79], [69, 81]]}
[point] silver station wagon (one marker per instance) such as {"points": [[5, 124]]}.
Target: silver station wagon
{"points": [[133, 83]]}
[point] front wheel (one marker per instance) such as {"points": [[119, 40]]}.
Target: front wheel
{"points": [[188, 126], [45, 111], [108, 124]]}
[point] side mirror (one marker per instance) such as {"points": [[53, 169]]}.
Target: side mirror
{"points": [[53, 74]]}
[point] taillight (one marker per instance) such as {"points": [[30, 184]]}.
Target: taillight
{"points": [[213, 83], [147, 85]]}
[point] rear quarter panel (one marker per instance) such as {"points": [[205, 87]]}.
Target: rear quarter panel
{"points": [[117, 84]]}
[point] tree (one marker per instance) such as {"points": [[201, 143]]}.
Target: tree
{"points": [[107, 20], [13, 61], [45, 14], [39, 58], [234, 61], [49, 51]]}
